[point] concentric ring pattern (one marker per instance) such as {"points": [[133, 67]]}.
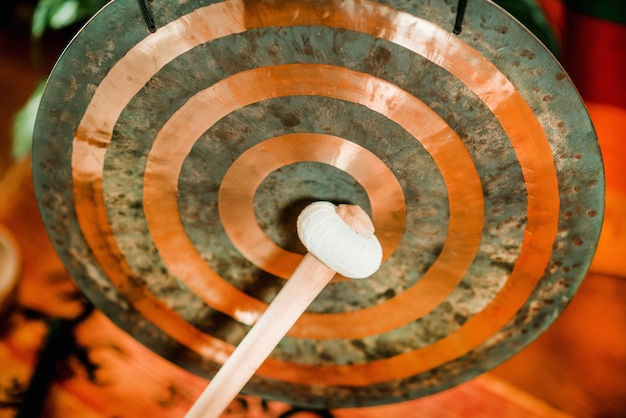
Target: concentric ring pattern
{"points": [[170, 168]]}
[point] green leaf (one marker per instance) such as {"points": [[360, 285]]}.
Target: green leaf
{"points": [[64, 15], [59, 14], [40, 17], [24, 124]]}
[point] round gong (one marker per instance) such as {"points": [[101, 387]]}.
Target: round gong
{"points": [[170, 168]]}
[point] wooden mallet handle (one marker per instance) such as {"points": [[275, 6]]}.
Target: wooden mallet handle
{"points": [[339, 240]]}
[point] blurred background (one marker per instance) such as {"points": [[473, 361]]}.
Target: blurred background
{"points": [[577, 368]]}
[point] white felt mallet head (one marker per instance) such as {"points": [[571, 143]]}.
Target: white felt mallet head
{"points": [[342, 237]]}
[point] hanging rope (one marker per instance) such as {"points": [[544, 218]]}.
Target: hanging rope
{"points": [[460, 14], [147, 15]]}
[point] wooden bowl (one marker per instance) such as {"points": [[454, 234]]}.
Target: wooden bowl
{"points": [[10, 262]]}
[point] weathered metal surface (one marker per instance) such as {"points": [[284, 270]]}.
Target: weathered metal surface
{"points": [[170, 167]]}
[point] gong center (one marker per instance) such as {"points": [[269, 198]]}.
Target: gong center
{"points": [[285, 192]]}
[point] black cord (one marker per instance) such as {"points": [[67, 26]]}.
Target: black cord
{"points": [[147, 15], [460, 14]]}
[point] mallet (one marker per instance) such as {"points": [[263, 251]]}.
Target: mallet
{"points": [[339, 239]]}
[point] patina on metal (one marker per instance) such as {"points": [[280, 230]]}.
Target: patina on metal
{"points": [[170, 168]]}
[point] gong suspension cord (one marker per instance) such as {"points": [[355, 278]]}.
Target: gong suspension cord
{"points": [[147, 15], [460, 14]]}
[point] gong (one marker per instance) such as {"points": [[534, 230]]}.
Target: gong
{"points": [[170, 166]]}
